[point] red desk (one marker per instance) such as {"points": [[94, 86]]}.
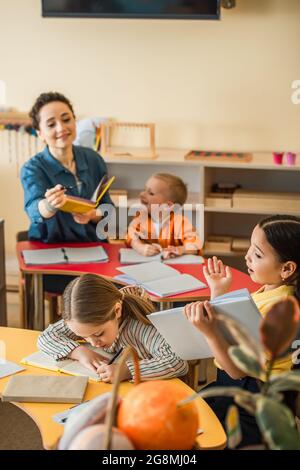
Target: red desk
{"points": [[34, 276]]}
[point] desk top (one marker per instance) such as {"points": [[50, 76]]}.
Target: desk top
{"points": [[108, 270], [19, 343]]}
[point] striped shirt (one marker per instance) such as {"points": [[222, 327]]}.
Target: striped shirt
{"points": [[156, 358]]}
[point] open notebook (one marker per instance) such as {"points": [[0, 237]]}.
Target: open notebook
{"points": [[130, 256], [187, 341], [65, 255], [81, 205], [159, 279], [68, 366]]}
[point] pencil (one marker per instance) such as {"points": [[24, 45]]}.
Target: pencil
{"points": [[115, 357]]}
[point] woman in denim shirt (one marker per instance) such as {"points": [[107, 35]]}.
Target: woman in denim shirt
{"points": [[61, 164]]}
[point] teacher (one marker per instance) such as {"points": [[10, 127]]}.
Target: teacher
{"points": [[61, 167]]}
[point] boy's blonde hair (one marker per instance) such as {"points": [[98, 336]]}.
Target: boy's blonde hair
{"points": [[177, 188]]}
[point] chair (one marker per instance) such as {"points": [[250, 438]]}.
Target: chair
{"points": [[50, 297]]}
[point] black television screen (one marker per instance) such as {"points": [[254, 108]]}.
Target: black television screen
{"points": [[176, 9]]}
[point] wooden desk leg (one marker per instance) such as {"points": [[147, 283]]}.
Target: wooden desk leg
{"points": [[38, 315], [165, 305]]}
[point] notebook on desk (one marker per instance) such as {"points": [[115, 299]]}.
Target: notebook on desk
{"points": [[67, 366], [65, 255], [187, 341], [159, 279], [130, 256], [45, 389]]}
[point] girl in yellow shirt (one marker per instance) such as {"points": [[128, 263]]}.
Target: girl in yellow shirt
{"points": [[273, 260]]}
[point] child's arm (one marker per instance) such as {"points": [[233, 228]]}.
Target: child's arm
{"points": [[145, 249], [203, 317], [58, 341], [218, 277]]}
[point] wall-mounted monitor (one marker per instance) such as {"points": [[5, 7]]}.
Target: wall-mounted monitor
{"points": [[172, 9]]}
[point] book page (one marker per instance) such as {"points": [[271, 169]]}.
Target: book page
{"points": [[75, 368], [46, 256], [130, 256], [183, 337], [94, 254], [146, 272], [9, 368], [174, 285], [42, 360]]}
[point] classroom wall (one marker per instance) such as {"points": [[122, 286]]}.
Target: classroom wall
{"points": [[206, 84]]}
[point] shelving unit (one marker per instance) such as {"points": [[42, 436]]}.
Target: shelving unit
{"points": [[261, 174]]}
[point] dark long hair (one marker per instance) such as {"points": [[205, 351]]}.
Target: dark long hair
{"points": [[283, 234]]}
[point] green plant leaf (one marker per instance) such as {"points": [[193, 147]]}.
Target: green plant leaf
{"points": [[223, 392], [277, 424], [246, 361], [241, 335], [286, 381], [247, 402]]}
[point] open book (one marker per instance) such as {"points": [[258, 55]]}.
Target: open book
{"points": [[130, 256], [82, 205], [68, 366], [187, 341], [64, 255], [159, 279]]}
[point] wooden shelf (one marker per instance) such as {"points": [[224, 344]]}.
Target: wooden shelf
{"points": [[235, 210]]}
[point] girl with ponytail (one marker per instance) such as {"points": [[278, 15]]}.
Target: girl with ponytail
{"points": [[97, 312]]}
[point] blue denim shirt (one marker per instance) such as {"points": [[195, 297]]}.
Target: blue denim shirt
{"points": [[43, 171]]}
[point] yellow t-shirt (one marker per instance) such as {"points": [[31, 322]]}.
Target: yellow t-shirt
{"points": [[264, 300]]}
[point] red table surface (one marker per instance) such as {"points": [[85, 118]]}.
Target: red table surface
{"points": [[108, 269]]}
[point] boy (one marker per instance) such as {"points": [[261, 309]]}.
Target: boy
{"points": [[161, 227]]}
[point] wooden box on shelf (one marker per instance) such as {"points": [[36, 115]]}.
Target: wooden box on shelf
{"points": [[218, 200], [240, 244], [273, 201], [218, 244]]}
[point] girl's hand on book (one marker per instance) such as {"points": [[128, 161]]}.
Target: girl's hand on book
{"points": [[87, 358], [218, 276], [202, 316], [84, 218], [107, 373], [56, 196]]}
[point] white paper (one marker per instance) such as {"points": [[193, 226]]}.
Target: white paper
{"points": [[9, 368]]}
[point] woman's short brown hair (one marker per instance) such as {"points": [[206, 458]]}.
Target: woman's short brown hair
{"points": [[42, 100]]}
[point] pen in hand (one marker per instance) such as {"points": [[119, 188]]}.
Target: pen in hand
{"points": [[115, 357]]}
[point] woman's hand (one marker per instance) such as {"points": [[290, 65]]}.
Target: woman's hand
{"points": [[107, 373], [87, 358], [84, 218], [56, 196], [202, 316], [218, 276]]}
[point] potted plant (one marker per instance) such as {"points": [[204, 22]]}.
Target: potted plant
{"points": [[277, 331]]}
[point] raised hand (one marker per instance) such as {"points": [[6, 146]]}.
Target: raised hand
{"points": [[218, 276]]}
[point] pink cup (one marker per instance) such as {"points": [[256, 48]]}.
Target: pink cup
{"points": [[277, 158], [290, 158]]}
